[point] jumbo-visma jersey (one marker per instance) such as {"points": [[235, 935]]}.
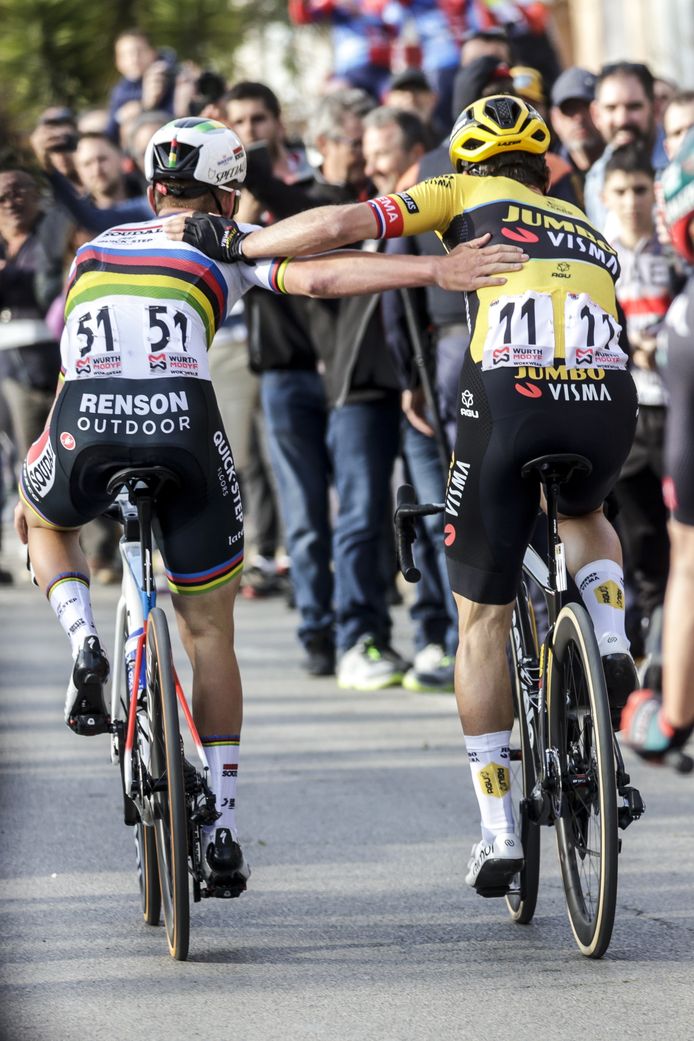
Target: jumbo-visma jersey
{"points": [[560, 308], [141, 305]]}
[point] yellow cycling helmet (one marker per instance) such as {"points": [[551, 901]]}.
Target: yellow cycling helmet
{"points": [[495, 126]]}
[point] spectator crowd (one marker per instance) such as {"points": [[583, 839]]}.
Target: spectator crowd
{"points": [[326, 401]]}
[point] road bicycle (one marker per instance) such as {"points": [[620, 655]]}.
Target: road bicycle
{"points": [[567, 767], [166, 799]]}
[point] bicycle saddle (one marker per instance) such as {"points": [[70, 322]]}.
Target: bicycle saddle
{"points": [[558, 468], [148, 480]]}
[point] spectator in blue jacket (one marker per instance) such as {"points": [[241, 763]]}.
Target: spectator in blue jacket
{"points": [[147, 78]]}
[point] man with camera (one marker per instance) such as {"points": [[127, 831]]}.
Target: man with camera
{"points": [[29, 355]]}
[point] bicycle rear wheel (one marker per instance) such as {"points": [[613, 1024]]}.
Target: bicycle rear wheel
{"points": [[580, 731], [148, 873], [168, 797], [522, 898]]}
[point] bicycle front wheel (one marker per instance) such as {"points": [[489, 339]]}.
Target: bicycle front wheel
{"points": [[168, 797], [521, 900], [581, 733]]}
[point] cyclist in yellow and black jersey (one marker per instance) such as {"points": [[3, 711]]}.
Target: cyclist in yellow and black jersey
{"points": [[546, 372], [571, 262]]}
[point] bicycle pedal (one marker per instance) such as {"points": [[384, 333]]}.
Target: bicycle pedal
{"points": [[633, 807], [490, 892], [203, 815], [131, 817], [89, 724], [227, 890]]}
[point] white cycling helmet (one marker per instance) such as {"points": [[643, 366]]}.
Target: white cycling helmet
{"points": [[196, 150]]}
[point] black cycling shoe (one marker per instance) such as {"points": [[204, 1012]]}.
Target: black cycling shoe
{"points": [[621, 678], [225, 868], [85, 708]]}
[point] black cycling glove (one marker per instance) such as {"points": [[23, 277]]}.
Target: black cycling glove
{"points": [[216, 237]]}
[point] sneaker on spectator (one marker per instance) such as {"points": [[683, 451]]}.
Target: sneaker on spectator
{"points": [[401, 664], [261, 579], [370, 665], [432, 672], [320, 654]]}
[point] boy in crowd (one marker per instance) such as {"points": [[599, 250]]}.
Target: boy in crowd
{"points": [[645, 290]]}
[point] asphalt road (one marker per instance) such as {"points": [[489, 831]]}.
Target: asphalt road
{"points": [[357, 815]]}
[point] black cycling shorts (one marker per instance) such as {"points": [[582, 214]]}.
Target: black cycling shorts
{"points": [[506, 418], [99, 427]]}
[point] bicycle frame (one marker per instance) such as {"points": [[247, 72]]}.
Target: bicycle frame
{"points": [[138, 597], [532, 676], [532, 673]]}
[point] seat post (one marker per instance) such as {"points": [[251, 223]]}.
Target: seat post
{"points": [[555, 556], [144, 484], [144, 512]]}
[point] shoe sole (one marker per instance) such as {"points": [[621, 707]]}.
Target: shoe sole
{"points": [[495, 876], [93, 720], [315, 669], [426, 688]]}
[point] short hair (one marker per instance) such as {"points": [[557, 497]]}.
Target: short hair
{"points": [[353, 101], [622, 69], [21, 172], [139, 34], [249, 90], [630, 158], [98, 135], [411, 127], [524, 167], [205, 203], [682, 97]]}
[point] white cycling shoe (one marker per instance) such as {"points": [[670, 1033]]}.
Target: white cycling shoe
{"points": [[492, 865]]}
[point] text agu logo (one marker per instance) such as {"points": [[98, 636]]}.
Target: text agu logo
{"points": [[467, 400]]}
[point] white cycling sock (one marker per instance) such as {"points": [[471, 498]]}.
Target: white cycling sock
{"points": [[68, 595], [601, 585], [222, 751], [489, 757]]}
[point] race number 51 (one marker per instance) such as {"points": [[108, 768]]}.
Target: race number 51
{"points": [[96, 331]]}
